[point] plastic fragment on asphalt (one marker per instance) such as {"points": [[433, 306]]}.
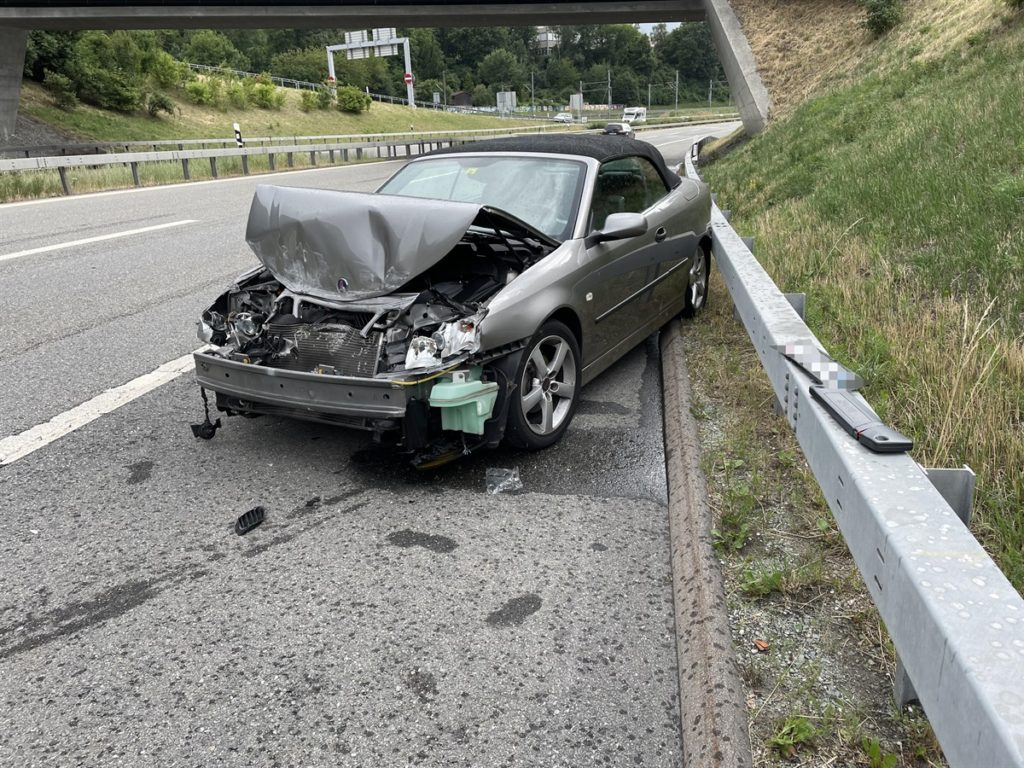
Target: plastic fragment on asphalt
{"points": [[250, 520], [501, 480]]}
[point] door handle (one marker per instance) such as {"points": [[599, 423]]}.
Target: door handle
{"points": [[660, 234]]}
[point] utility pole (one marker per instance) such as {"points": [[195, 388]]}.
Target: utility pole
{"points": [[677, 90], [609, 89], [648, 95], [711, 90], [533, 105], [444, 86]]}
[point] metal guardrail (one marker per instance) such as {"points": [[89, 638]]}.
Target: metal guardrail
{"points": [[134, 159], [956, 622], [89, 148], [346, 151]]}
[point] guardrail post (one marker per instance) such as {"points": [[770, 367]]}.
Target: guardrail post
{"points": [[344, 155], [271, 158], [330, 154], [185, 170], [408, 150], [421, 147], [291, 160], [796, 300], [312, 158], [245, 165], [65, 184], [359, 153], [135, 174], [956, 486], [213, 167]]}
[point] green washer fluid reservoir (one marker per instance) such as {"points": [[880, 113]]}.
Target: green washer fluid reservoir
{"points": [[465, 401]]}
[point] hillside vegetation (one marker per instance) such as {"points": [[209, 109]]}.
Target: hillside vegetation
{"points": [[196, 121], [895, 198]]}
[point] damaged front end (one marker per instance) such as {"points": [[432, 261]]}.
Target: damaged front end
{"points": [[347, 323]]}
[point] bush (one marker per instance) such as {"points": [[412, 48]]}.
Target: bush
{"points": [[157, 103], [883, 15], [207, 92], [107, 70], [237, 94], [351, 99], [62, 90], [167, 72], [267, 96], [309, 101], [1015, 3], [324, 97]]}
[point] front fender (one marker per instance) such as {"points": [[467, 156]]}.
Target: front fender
{"points": [[517, 311]]}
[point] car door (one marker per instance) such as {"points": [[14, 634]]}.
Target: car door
{"points": [[622, 281]]}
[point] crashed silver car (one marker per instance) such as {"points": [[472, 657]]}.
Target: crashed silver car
{"points": [[465, 302]]}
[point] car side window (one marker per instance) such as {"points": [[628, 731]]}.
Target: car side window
{"points": [[626, 185], [656, 187]]}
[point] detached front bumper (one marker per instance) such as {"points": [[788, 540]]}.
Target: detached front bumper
{"points": [[299, 394]]}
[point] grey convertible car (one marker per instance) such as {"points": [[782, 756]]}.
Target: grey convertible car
{"points": [[465, 302]]}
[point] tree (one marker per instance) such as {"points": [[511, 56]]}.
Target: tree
{"points": [[561, 75], [690, 49], [499, 67], [427, 56], [107, 70], [49, 51], [214, 49], [309, 64]]}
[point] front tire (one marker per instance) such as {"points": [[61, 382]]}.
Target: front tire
{"points": [[697, 285], [546, 390]]}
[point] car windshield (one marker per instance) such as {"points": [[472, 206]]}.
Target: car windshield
{"points": [[544, 192]]}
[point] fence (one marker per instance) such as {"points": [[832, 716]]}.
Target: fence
{"points": [[318, 148], [956, 622]]}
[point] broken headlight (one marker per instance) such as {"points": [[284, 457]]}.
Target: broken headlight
{"points": [[449, 340]]}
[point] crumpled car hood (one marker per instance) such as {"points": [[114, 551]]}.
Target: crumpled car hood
{"points": [[347, 246]]}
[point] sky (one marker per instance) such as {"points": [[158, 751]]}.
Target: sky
{"points": [[646, 28]]}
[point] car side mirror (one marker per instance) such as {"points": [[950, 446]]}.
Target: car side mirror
{"points": [[619, 226]]}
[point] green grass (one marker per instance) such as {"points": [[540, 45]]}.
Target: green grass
{"points": [[896, 203], [198, 122], [28, 185]]}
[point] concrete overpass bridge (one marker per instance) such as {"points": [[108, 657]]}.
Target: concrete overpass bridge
{"points": [[18, 17]]}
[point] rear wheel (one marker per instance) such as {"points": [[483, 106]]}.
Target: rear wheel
{"points": [[547, 389], [697, 285]]}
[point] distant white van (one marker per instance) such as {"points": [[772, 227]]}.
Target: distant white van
{"points": [[634, 115], [563, 117]]}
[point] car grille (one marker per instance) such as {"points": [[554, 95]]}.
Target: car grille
{"points": [[328, 344]]}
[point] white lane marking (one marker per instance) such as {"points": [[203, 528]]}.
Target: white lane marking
{"points": [[177, 185], [97, 239], [18, 446]]}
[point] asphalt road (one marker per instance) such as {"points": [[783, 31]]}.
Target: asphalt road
{"points": [[379, 617]]}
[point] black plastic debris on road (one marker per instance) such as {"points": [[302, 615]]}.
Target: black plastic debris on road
{"points": [[250, 520]]}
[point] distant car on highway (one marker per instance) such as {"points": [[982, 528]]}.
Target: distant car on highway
{"points": [[563, 117], [619, 129], [465, 302]]}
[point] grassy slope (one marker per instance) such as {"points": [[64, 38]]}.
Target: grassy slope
{"points": [[197, 122], [895, 201]]}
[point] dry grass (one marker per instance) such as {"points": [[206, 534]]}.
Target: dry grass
{"points": [[789, 578], [803, 46]]}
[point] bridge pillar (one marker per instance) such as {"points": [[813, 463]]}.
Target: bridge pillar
{"points": [[12, 62], [745, 83]]}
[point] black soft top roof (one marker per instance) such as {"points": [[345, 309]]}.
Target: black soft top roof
{"points": [[598, 146]]}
